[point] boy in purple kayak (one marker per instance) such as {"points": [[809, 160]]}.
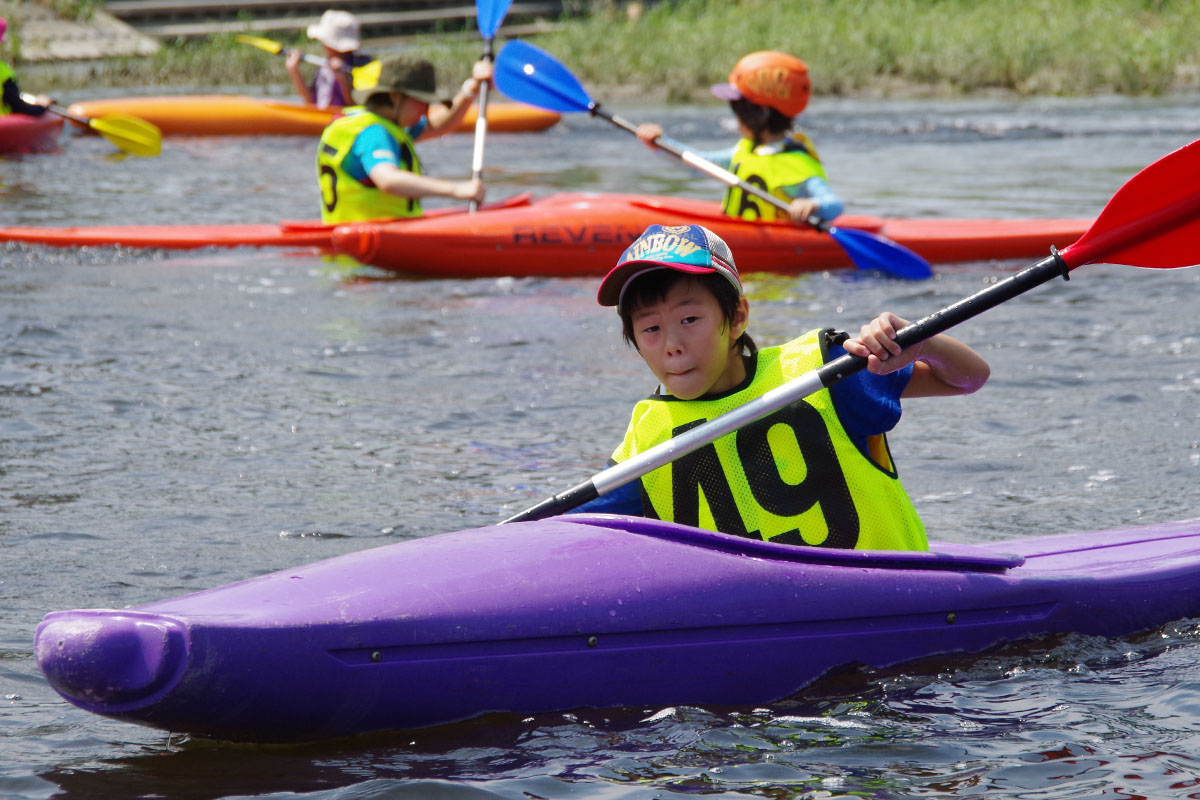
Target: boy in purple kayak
{"points": [[817, 472]]}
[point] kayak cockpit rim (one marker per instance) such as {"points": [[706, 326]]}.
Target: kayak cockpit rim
{"points": [[947, 556]]}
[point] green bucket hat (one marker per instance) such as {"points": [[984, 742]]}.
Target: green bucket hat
{"points": [[408, 74]]}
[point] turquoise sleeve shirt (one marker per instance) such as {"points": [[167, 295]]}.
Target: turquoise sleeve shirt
{"points": [[375, 146]]}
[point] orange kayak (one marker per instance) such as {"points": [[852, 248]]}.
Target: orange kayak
{"points": [[240, 115], [20, 133], [577, 234]]}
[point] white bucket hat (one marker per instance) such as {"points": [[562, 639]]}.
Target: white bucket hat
{"points": [[337, 30]]}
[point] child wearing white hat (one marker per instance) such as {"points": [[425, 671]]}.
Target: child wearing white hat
{"points": [[338, 33]]}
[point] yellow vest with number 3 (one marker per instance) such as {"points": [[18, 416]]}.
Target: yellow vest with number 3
{"points": [[343, 197]]}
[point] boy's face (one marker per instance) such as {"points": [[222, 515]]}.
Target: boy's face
{"points": [[686, 342]]}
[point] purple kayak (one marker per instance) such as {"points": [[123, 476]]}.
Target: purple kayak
{"points": [[587, 611]]}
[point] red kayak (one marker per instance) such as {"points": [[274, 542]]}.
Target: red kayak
{"points": [[20, 133], [577, 234], [296, 233]]}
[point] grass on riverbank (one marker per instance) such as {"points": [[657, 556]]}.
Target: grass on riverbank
{"points": [[883, 46], [675, 49]]}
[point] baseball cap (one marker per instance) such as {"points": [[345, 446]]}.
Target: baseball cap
{"points": [[685, 248], [403, 73]]}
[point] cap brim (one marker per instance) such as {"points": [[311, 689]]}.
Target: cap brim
{"points": [[726, 91], [361, 95], [613, 285]]}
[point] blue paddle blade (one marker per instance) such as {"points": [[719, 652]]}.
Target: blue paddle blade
{"points": [[530, 75], [489, 14], [869, 251]]}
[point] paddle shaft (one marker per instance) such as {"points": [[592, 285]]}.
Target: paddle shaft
{"points": [[798, 388], [62, 112], [707, 167], [480, 124]]}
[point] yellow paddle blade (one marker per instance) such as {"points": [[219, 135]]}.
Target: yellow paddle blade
{"points": [[133, 135], [260, 43], [366, 76]]}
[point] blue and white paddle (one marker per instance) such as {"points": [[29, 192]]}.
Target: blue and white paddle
{"points": [[488, 14]]}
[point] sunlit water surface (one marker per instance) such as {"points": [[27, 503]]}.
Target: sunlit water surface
{"points": [[173, 422]]}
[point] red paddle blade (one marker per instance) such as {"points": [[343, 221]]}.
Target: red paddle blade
{"points": [[1152, 221]]}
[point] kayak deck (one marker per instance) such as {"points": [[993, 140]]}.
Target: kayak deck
{"points": [[174, 237], [588, 611]]}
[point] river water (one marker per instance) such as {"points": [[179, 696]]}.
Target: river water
{"points": [[173, 422]]}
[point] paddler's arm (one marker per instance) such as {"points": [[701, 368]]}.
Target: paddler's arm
{"points": [[942, 365], [814, 196], [651, 132], [443, 119], [402, 183], [292, 62], [29, 105]]}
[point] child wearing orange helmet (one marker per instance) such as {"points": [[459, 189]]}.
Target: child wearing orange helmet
{"points": [[766, 91]]}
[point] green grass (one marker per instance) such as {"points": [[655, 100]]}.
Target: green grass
{"points": [[676, 48], [883, 46]]}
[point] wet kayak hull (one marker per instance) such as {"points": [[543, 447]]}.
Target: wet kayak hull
{"points": [[587, 611], [21, 134]]}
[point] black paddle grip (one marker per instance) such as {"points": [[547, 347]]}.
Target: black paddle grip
{"points": [[559, 504]]}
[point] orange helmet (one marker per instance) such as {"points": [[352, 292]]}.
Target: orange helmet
{"points": [[769, 78]]}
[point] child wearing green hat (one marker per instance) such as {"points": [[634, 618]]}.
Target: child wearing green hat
{"points": [[367, 164], [818, 472]]}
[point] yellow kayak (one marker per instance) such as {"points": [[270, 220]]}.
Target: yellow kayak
{"points": [[241, 115]]}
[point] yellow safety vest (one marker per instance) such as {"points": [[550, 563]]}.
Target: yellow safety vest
{"points": [[343, 197], [6, 74], [794, 476], [772, 170]]}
